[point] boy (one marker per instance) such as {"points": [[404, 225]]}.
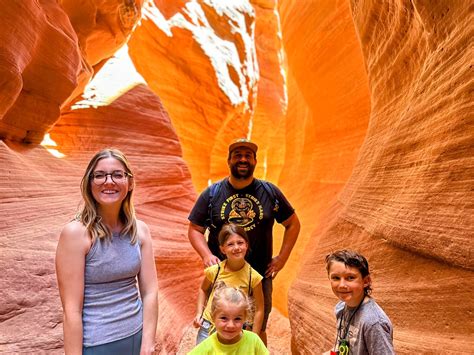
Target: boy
{"points": [[362, 326]]}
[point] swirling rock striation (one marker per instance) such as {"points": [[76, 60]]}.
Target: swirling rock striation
{"points": [[41, 193], [406, 204], [34, 80], [200, 58], [361, 110]]}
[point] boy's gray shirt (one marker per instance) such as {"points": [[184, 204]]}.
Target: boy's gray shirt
{"points": [[370, 331]]}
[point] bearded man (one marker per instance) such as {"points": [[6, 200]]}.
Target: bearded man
{"points": [[253, 204]]}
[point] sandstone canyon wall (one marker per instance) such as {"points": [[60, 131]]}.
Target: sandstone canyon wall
{"points": [[30, 101], [200, 57], [327, 116], [46, 60], [180, 48], [408, 202], [363, 115]]}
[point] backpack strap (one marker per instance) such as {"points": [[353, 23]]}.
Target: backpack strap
{"points": [[250, 290], [214, 190], [209, 290], [271, 192]]}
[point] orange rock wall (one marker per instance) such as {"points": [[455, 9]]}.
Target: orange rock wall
{"points": [[361, 111], [42, 194], [35, 32], [405, 203], [216, 82], [328, 111], [269, 125], [203, 68], [30, 100], [40, 183], [102, 26]]}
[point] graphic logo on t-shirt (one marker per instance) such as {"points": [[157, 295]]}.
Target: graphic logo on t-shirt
{"points": [[245, 211]]}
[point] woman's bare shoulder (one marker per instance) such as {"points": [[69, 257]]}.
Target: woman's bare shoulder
{"points": [[143, 231], [74, 227], [75, 233]]}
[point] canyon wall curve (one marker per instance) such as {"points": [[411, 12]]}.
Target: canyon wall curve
{"points": [[405, 204], [361, 110]]}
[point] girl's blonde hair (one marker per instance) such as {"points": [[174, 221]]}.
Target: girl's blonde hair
{"points": [[232, 295], [88, 214]]}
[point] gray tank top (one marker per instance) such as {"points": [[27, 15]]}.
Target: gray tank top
{"points": [[112, 307]]}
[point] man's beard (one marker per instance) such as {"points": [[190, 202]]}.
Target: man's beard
{"points": [[242, 176]]}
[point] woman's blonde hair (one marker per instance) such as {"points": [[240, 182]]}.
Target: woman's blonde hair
{"points": [[232, 295], [88, 214]]}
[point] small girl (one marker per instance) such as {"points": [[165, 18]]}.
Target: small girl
{"points": [[229, 310], [362, 326], [232, 271]]}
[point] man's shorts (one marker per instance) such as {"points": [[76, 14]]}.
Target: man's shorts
{"points": [[267, 286]]}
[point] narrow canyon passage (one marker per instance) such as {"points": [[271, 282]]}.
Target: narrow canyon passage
{"points": [[361, 110]]}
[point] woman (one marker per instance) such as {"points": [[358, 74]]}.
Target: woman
{"points": [[100, 256]]}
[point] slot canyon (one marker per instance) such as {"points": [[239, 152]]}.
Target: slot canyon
{"points": [[361, 110]]}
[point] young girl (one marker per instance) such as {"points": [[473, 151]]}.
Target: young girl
{"points": [[233, 271], [362, 326], [230, 308], [101, 257]]}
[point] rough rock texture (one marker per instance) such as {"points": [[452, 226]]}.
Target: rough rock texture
{"points": [[201, 60], [32, 210], [34, 80], [41, 194], [362, 111], [102, 27], [408, 203], [328, 111]]}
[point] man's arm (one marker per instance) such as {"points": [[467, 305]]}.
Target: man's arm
{"points": [[198, 241], [292, 229]]}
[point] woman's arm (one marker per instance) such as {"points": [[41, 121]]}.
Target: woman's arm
{"points": [[74, 243], [201, 300], [148, 283], [258, 318]]}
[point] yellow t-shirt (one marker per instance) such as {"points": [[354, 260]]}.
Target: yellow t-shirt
{"points": [[249, 344], [238, 279]]}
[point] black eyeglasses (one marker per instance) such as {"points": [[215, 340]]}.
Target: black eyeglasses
{"points": [[117, 176]]}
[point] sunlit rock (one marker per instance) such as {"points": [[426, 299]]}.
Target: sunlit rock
{"points": [[328, 111], [404, 204], [102, 27], [200, 58], [34, 79], [41, 194]]}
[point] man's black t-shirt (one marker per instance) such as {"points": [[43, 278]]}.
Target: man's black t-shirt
{"points": [[252, 208]]}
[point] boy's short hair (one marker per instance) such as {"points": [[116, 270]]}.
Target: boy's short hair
{"points": [[350, 258]]}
